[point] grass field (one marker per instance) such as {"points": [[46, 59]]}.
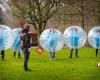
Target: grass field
{"points": [[62, 68]]}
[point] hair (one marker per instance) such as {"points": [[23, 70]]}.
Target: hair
{"points": [[26, 26]]}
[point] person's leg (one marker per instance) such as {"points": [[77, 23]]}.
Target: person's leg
{"points": [[19, 55], [2, 54], [96, 52], [71, 53], [14, 54], [76, 51], [53, 55], [26, 58]]}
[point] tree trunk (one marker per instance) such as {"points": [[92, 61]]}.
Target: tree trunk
{"points": [[40, 30], [82, 21]]}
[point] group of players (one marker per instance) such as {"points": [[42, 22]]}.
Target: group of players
{"points": [[26, 44]]}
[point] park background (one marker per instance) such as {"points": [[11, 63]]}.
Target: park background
{"points": [[84, 13]]}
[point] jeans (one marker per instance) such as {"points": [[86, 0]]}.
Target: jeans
{"points": [[26, 57]]}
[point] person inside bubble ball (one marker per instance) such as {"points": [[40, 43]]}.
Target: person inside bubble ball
{"points": [[52, 43], [74, 42], [2, 51], [16, 45], [97, 39]]}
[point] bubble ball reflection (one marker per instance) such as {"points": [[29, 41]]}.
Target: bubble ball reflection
{"points": [[94, 37], [75, 37], [51, 40]]}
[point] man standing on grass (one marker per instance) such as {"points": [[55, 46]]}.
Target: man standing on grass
{"points": [[26, 39]]}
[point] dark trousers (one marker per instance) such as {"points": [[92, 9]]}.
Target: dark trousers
{"points": [[71, 52], [97, 52], [15, 54], [26, 57], [52, 55], [2, 54]]}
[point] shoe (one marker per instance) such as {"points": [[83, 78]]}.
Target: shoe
{"points": [[76, 56], [27, 69], [2, 59], [70, 57], [51, 59]]}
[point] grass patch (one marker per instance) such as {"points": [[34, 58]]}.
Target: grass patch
{"points": [[62, 68]]}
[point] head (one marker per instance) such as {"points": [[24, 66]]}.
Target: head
{"points": [[26, 27], [74, 29], [52, 30], [97, 31]]}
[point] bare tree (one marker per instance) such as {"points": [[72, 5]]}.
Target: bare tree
{"points": [[36, 12], [1, 18], [98, 11], [83, 8]]}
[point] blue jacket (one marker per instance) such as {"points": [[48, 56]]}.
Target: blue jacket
{"points": [[97, 39], [74, 40]]}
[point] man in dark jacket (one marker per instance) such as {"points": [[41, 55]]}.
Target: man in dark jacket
{"points": [[25, 39]]}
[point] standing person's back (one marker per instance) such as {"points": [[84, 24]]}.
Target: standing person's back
{"points": [[26, 38], [26, 41]]}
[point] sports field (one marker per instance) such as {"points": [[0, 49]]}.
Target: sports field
{"points": [[62, 68]]}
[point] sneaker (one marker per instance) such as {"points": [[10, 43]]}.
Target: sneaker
{"points": [[70, 57], [51, 59], [27, 69], [76, 56]]}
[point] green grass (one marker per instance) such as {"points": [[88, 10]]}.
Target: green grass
{"points": [[62, 68]]}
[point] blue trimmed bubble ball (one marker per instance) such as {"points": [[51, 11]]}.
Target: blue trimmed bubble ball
{"points": [[5, 37], [51, 40], [75, 37], [16, 39], [94, 37]]}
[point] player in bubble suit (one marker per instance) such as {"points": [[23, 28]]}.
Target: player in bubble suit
{"points": [[94, 38], [2, 51], [75, 37], [51, 40], [97, 40], [5, 39], [52, 43], [74, 42], [16, 47], [17, 43]]}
